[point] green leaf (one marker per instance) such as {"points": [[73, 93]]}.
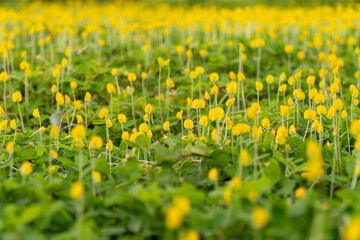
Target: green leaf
{"points": [[28, 154], [294, 141], [102, 166], [143, 141]]}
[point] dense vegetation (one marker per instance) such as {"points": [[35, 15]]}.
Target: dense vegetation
{"points": [[120, 121]]}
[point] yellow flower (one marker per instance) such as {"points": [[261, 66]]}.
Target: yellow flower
{"points": [[292, 130], [213, 174], [143, 128], [298, 74], [134, 136], [13, 124], [26, 168], [101, 42], [235, 183], [110, 88], [291, 81], [179, 49], [300, 55], [121, 118], [67, 52], [338, 104], [313, 93], [173, 218], [132, 77], [73, 85], [241, 76], [125, 136], [265, 123], [282, 76], [78, 132], [320, 98], [206, 95], [188, 124], [96, 143], [230, 102], [3, 124], [352, 229], [104, 113], [56, 72], [170, 83], [310, 114], [270, 79], [53, 154], [67, 98], [189, 101], [77, 104], [52, 169], [10, 147], [310, 80], [283, 87], [24, 65], [251, 113], [214, 135], [321, 109], [260, 217], [188, 53], [227, 196], [300, 192], [203, 121], [284, 110], [240, 128], [259, 86], [96, 176], [42, 129], [148, 109], [64, 62], [314, 165], [216, 114], [183, 204], [256, 132], [344, 114], [4, 76], [281, 135], [110, 145], [232, 75], [244, 157], [189, 235], [199, 70], [77, 189], [179, 114], [334, 88], [331, 112], [54, 132], [214, 90], [16, 97], [87, 96], [252, 195], [289, 48], [79, 119], [232, 87], [59, 98], [214, 77], [166, 126]]}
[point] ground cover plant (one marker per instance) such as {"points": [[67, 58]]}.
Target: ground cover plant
{"points": [[122, 121]]}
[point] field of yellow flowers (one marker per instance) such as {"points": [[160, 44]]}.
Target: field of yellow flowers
{"points": [[121, 121]]}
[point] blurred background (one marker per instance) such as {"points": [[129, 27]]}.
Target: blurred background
{"points": [[223, 3], [232, 3]]}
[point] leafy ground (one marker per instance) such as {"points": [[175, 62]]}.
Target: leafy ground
{"points": [[121, 121]]}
